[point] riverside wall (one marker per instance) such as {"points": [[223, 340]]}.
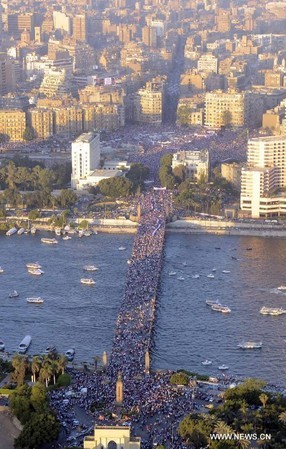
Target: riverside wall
{"points": [[195, 226]]}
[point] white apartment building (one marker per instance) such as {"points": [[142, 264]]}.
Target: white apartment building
{"points": [[195, 162], [85, 157], [265, 173], [208, 63]]}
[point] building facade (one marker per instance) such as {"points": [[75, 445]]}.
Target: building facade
{"points": [[196, 163], [85, 157], [111, 437], [264, 175]]}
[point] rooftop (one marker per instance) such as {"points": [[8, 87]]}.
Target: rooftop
{"points": [[86, 137]]}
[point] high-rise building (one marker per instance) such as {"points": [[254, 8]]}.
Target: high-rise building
{"points": [[85, 156], [264, 174], [41, 121], [13, 124], [148, 103], [80, 27]]}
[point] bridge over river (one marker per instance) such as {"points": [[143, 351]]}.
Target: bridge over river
{"points": [[133, 333]]}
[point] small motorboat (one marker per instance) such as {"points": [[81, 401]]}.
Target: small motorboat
{"points": [[50, 349], [181, 278], [172, 273], [66, 237], [223, 367], [35, 272], [90, 268], [20, 231], [207, 362], [211, 276], [87, 281], [14, 294], [121, 248], [70, 354], [34, 265], [225, 271], [24, 345], [38, 300], [195, 276]]}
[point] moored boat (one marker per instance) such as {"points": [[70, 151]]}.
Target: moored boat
{"points": [[211, 276], [11, 231], [50, 349], [49, 241], [33, 231], [225, 271], [24, 345], [20, 231], [2, 345], [70, 354], [181, 278], [66, 237]]}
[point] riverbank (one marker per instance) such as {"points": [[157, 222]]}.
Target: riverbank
{"points": [[195, 226], [185, 225]]}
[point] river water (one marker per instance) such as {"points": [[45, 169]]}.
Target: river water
{"points": [[187, 331]]}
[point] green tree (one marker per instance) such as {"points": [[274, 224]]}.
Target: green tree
{"points": [[179, 379], [29, 134], [67, 198], [137, 174], [166, 160], [19, 402], [20, 365], [42, 428], [195, 431], [35, 366], [62, 363], [38, 397], [34, 214], [115, 187]]}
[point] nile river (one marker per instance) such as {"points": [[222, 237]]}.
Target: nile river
{"points": [[187, 331]]}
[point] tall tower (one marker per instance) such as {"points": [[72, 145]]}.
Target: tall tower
{"points": [[85, 156], [119, 389]]}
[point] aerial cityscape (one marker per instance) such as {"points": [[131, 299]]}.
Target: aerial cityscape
{"points": [[143, 224]]}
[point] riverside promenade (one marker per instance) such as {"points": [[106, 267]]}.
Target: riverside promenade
{"points": [[133, 332]]}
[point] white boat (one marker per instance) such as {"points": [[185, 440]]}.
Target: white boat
{"points": [[2, 345], [223, 367], [195, 276], [14, 294], [275, 311], [90, 268], [35, 272], [20, 231], [220, 308], [50, 349], [184, 264], [37, 300], [1, 270], [210, 302], [207, 362], [66, 237], [33, 231], [129, 262], [49, 241], [80, 233], [214, 270], [58, 231], [87, 233], [121, 248], [281, 287], [11, 231], [211, 276], [24, 345], [34, 265], [172, 273], [70, 354], [250, 345], [181, 278], [87, 281], [225, 271]]}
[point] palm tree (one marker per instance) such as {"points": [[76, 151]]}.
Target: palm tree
{"points": [[263, 399], [35, 366], [243, 444], [222, 428], [282, 418], [54, 368], [46, 373], [62, 363]]}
